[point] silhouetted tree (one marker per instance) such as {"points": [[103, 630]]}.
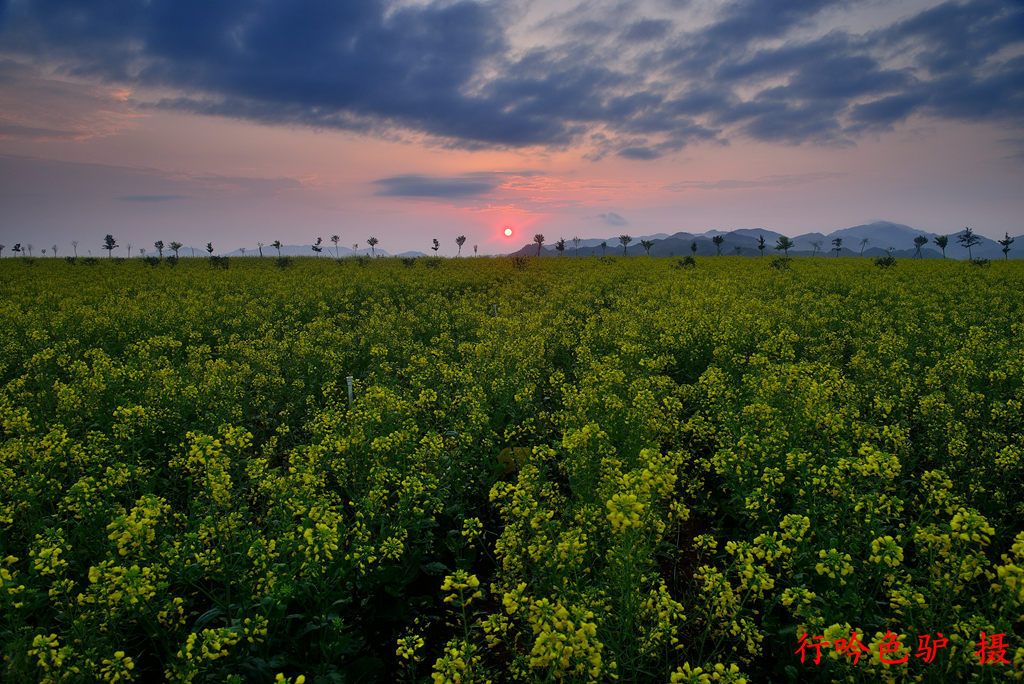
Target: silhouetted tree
{"points": [[968, 239], [209, 248], [2, 250], [863, 243], [372, 241], [760, 244], [718, 240], [54, 248], [816, 244], [539, 239], [784, 244], [1006, 242], [560, 246], [316, 246], [647, 244], [175, 246], [461, 240], [276, 244], [242, 250], [576, 244], [837, 245], [159, 244], [693, 247], [336, 239], [44, 251], [919, 242], [436, 246], [109, 244], [16, 248], [941, 241], [474, 249], [625, 240], [74, 246], [604, 246], [29, 246]]}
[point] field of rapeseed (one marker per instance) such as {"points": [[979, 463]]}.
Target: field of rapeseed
{"points": [[550, 470]]}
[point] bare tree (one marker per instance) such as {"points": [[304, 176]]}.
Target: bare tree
{"points": [[816, 244], [718, 240], [372, 241], [837, 245], [625, 240], [175, 246], [2, 250], [461, 240], [129, 250], [863, 243], [74, 246], [560, 246], [159, 244], [539, 239], [474, 249], [276, 244], [760, 244], [576, 244], [29, 246], [647, 244], [259, 246], [54, 248], [336, 239], [316, 246]]}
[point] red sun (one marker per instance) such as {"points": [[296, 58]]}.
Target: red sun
{"points": [[508, 231]]}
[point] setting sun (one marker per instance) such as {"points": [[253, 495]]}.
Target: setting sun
{"points": [[508, 231]]}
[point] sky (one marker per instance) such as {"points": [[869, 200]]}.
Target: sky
{"points": [[214, 121]]}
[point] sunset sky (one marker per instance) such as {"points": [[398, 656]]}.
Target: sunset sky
{"points": [[201, 121]]}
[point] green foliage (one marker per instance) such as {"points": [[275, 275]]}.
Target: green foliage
{"points": [[570, 472], [885, 262]]}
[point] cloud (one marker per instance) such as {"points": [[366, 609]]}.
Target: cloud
{"points": [[150, 198], [613, 219], [769, 70], [775, 181], [415, 185]]}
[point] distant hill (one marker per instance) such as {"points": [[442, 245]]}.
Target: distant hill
{"points": [[876, 239]]}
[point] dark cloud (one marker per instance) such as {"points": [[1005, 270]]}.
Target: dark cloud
{"points": [[613, 219], [644, 153], [150, 198], [415, 185], [445, 68], [776, 181], [647, 29]]}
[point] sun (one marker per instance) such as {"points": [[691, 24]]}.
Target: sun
{"points": [[508, 231]]}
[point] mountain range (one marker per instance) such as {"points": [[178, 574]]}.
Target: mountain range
{"points": [[880, 238]]}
